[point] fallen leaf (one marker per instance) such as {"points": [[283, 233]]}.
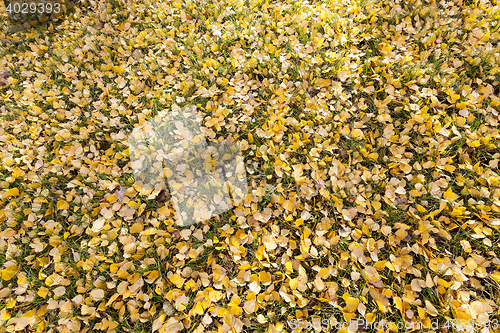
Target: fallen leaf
{"points": [[97, 294]]}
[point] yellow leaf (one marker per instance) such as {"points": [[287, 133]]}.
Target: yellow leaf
{"points": [[21, 280], [4, 315], [320, 83], [11, 192], [323, 273], [159, 289], [265, 277], [288, 205], [165, 211], [495, 276], [118, 69], [215, 296], [5, 292], [97, 294], [351, 304], [370, 317], [450, 195], [474, 144], [9, 272], [198, 309], [369, 89], [111, 198], [177, 280], [444, 283], [462, 315], [158, 322], [389, 265], [293, 283], [65, 134], [62, 204], [421, 209], [421, 313], [244, 267], [11, 304], [136, 228], [319, 42], [449, 167], [348, 316], [250, 306], [398, 303], [18, 173], [386, 48], [356, 132], [458, 211], [466, 246], [236, 310], [376, 205], [461, 121], [430, 308]]}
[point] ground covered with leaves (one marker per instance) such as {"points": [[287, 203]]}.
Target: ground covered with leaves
{"points": [[370, 132]]}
